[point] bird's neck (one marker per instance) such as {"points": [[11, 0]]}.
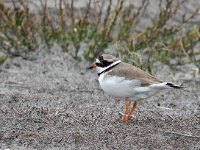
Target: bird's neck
{"points": [[101, 70]]}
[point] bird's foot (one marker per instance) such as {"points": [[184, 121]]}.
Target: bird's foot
{"points": [[125, 117]]}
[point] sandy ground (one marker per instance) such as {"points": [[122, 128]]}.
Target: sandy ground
{"points": [[50, 101]]}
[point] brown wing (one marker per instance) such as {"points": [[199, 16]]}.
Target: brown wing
{"points": [[133, 73]]}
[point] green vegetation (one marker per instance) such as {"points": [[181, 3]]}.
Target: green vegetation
{"points": [[22, 31]]}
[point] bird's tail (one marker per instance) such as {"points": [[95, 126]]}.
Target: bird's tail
{"points": [[174, 86]]}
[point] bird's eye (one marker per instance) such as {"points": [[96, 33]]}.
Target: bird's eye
{"points": [[100, 58]]}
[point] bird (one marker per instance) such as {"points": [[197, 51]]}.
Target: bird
{"points": [[123, 80]]}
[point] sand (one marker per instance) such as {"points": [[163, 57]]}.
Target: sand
{"points": [[50, 101]]}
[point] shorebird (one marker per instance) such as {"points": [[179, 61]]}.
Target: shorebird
{"points": [[124, 80]]}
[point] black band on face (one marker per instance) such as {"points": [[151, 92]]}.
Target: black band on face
{"points": [[104, 63], [100, 64]]}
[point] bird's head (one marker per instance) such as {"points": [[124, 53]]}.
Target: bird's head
{"points": [[103, 62]]}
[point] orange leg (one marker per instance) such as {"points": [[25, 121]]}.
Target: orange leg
{"points": [[132, 109], [124, 117], [126, 106], [127, 114]]}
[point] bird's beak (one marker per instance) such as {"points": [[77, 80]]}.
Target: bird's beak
{"points": [[93, 66]]}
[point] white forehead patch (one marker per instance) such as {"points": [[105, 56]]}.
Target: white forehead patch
{"points": [[97, 61]]}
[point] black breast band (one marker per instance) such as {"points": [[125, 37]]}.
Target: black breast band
{"points": [[108, 68]]}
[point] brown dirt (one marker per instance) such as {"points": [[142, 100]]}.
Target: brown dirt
{"points": [[52, 102]]}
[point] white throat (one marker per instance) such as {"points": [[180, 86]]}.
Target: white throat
{"points": [[100, 69]]}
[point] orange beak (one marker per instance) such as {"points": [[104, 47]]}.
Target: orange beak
{"points": [[93, 66]]}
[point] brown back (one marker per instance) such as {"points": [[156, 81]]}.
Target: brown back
{"points": [[133, 73]]}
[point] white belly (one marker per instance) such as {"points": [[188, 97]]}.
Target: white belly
{"points": [[119, 87]]}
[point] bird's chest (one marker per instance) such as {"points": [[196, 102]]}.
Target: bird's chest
{"points": [[115, 85]]}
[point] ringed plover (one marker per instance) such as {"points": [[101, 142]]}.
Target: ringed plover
{"points": [[123, 80]]}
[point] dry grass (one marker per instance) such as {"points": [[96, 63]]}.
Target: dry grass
{"points": [[23, 31]]}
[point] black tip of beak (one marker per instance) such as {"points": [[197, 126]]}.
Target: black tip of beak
{"points": [[90, 67]]}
